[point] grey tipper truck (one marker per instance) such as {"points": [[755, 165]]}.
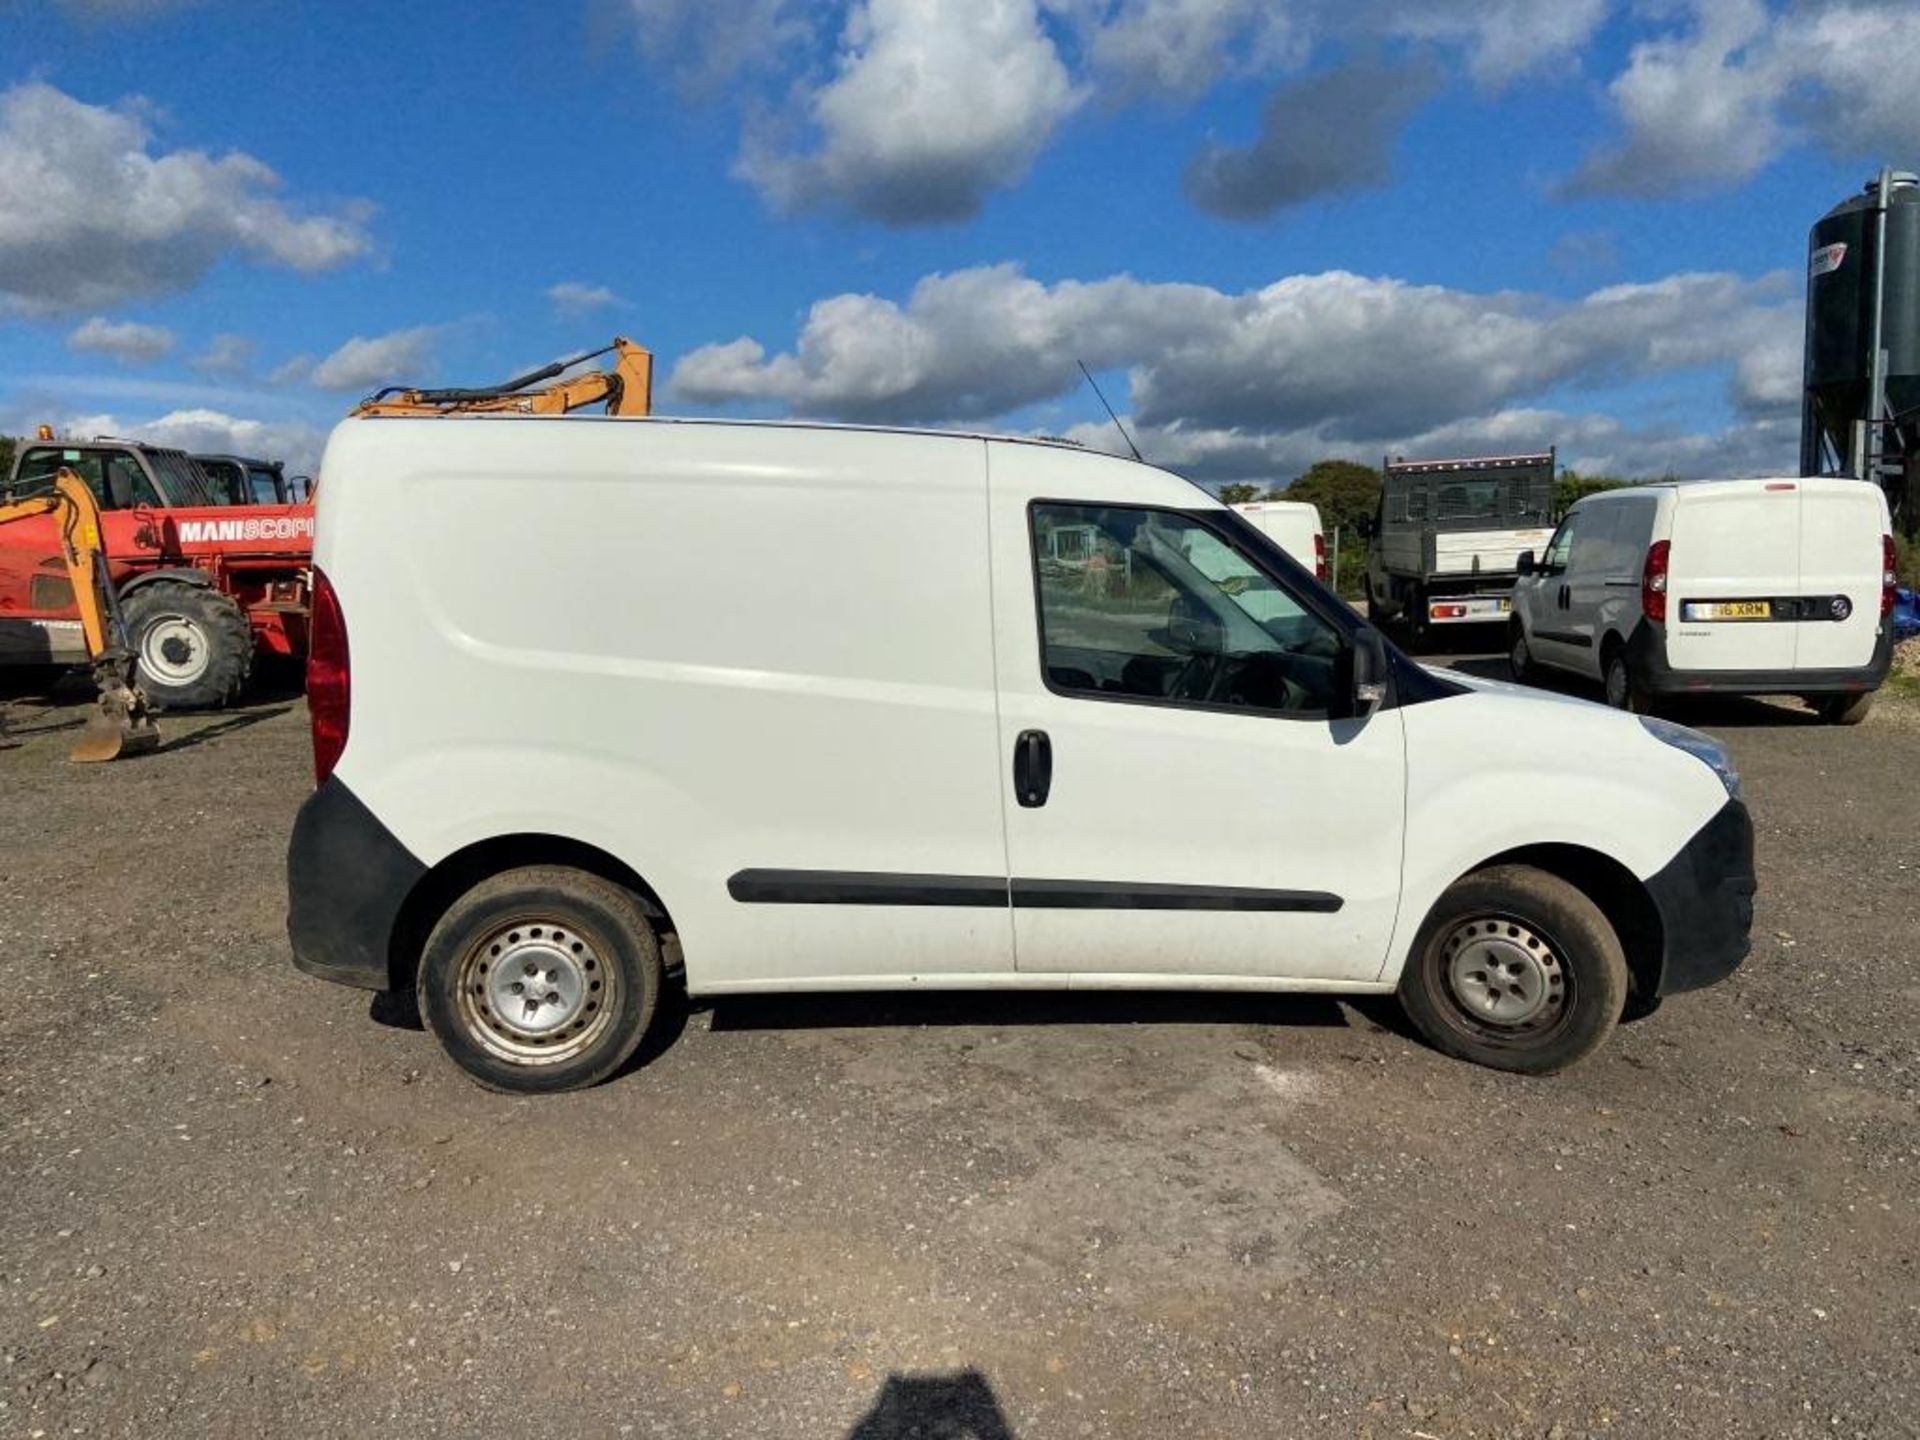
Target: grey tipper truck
{"points": [[1446, 545]]}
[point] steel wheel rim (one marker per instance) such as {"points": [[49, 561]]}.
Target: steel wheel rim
{"points": [[537, 991], [174, 649], [1503, 977]]}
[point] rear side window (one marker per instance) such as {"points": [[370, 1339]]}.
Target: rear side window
{"points": [[1153, 605]]}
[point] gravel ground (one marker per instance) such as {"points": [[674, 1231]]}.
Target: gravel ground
{"points": [[242, 1202]]}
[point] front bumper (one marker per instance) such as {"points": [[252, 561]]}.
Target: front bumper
{"points": [[1705, 899], [1647, 663], [348, 879]]}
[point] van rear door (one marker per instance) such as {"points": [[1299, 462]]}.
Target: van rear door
{"points": [[1735, 553], [1841, 525]]}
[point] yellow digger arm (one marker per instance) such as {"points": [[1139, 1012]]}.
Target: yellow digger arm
{"points": [[80, 547], [120, 724], [626, 389]]}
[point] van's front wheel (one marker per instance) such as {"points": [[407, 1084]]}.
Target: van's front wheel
{"points": [[541, 979], [1515, 969]]}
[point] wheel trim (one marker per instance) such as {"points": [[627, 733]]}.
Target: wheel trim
{"points": [[537, 990], [1503, 978], [1517, 656], [174, 649]]}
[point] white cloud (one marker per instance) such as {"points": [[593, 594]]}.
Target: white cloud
{"points": [[204, 431], [226, 355], [91, 215], [1328, 134], [126, 341], [708, 44], [1180, 48], [1348, 353], [1717, 103], [1503, 39], [934, 106], [364, 363], [1242, 385], [572, 299]]}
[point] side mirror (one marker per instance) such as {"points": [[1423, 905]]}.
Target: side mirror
{"points": [[1525, 564], [1369, 671], [1194, 629]]}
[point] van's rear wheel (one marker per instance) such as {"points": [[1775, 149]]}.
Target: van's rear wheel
{"points": [[1515, 969], [1519, 657], [1622, 692], [1843, 709], [541, 979]]}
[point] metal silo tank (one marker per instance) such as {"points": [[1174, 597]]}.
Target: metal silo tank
{"points": [[1863, 280]]}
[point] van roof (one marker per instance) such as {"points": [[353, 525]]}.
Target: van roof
{"points": [[1760, 483], [1052, 442]]}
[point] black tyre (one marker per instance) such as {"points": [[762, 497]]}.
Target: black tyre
{"points": [[1517, 970], [1623, 693], [1519, 656], [192, 647], [1844, 709], [541, 979]]}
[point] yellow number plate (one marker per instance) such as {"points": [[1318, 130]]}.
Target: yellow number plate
{"points": [[1731, 610]]}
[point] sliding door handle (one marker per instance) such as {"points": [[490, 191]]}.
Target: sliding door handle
{"points": [[1032, 768]]}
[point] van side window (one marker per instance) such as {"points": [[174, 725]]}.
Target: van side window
{"points": [[1560, 546], [1153, 605]]}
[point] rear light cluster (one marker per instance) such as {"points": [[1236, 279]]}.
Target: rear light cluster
{"points": [[1320, 557], [328, 687], [1446, 612], [1653, 582], [1889, 575]]}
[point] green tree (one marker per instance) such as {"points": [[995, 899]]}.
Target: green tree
{"points": [[1346, 494], [1238, 494], [1572, 486], [8, 446]]}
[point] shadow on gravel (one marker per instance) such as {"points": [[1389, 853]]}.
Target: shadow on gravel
{"points": [[219, 728], [1019, 1007], [960, 1406]]}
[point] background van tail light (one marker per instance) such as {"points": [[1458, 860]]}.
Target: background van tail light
{"points": [[1889, 574], [1653, 582], [1320, 556], [329, 699]]}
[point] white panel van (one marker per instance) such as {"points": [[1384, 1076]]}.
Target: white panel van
{"points": [[1293, 525], [1749, 587], [604, 705]]}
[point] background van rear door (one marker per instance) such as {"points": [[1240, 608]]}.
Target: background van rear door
{"points": [[1732, 542], [1841, 525]]}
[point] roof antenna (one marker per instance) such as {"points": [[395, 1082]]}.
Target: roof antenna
{"points": [[1115, 418]]}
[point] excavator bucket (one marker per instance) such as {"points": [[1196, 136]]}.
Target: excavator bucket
{"points": [[119, 727]]}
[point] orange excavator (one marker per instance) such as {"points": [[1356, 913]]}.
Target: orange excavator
{"points": [[120, 724], [625, 389]]}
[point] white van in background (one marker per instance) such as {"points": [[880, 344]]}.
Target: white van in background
{"points": [[1747, 587], [1293, 525], [783, 707]]}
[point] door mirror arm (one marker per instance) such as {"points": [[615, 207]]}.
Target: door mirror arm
{"points": [[1370, 671]]}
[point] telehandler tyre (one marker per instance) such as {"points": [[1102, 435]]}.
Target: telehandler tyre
{"points": [[192, 647]]}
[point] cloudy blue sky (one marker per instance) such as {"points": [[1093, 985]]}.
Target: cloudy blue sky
{"points": [[1282, 228]]}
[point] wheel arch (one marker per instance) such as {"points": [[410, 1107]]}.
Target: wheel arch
{"points": [[183, 575], [442, 884], [1619, 893]]}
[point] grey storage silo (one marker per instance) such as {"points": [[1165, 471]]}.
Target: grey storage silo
{"points": [[1846, 282]]}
